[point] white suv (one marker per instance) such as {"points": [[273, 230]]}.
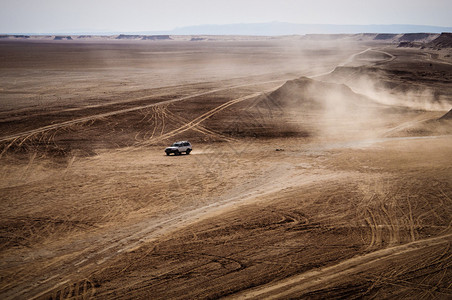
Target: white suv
{"points": [[179, 147]]}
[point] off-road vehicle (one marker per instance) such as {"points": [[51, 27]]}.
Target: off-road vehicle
{"points": [[178, 147]]}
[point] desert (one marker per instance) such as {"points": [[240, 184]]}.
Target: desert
{"points": [[321, 167]]}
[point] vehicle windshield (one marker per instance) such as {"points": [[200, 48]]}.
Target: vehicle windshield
{"points": [[176, 145]]}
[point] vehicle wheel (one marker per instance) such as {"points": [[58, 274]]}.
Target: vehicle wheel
{"points": [[167, 153], [188, 151]]}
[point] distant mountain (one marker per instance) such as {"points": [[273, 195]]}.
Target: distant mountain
{"points": [[267, 29], [279, 28]]}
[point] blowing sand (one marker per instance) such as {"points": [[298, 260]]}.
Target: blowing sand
{"points": [[355, 203]]}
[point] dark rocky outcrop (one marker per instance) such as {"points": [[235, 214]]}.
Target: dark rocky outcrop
{"points": [[411, 45], [59, 38], [385, 36], [156, 37], [418, 37], [143, 37], [443, 41]]}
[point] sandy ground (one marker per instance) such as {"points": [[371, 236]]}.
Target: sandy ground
{"points": [[293, 190]]}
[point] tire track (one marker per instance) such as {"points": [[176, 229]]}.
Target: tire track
{"points": [[32, 132], [283, 289], [198, 127], [127, 110], [195, 122], [132, 238]]}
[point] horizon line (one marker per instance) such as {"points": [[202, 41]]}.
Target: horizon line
{"points": [[194, 27]]}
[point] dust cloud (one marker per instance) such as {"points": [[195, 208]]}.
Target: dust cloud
{"points": [[328, 109], [90, 200], [421, 98]]}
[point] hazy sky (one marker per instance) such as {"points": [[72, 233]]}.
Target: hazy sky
{"points": [[47, 16]]}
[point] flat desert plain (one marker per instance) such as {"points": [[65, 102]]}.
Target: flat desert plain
{"points": [[320, 169]]}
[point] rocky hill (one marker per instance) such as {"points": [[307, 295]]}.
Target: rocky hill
{"points": [[425, 40], [418, 37], [443, 41]]}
